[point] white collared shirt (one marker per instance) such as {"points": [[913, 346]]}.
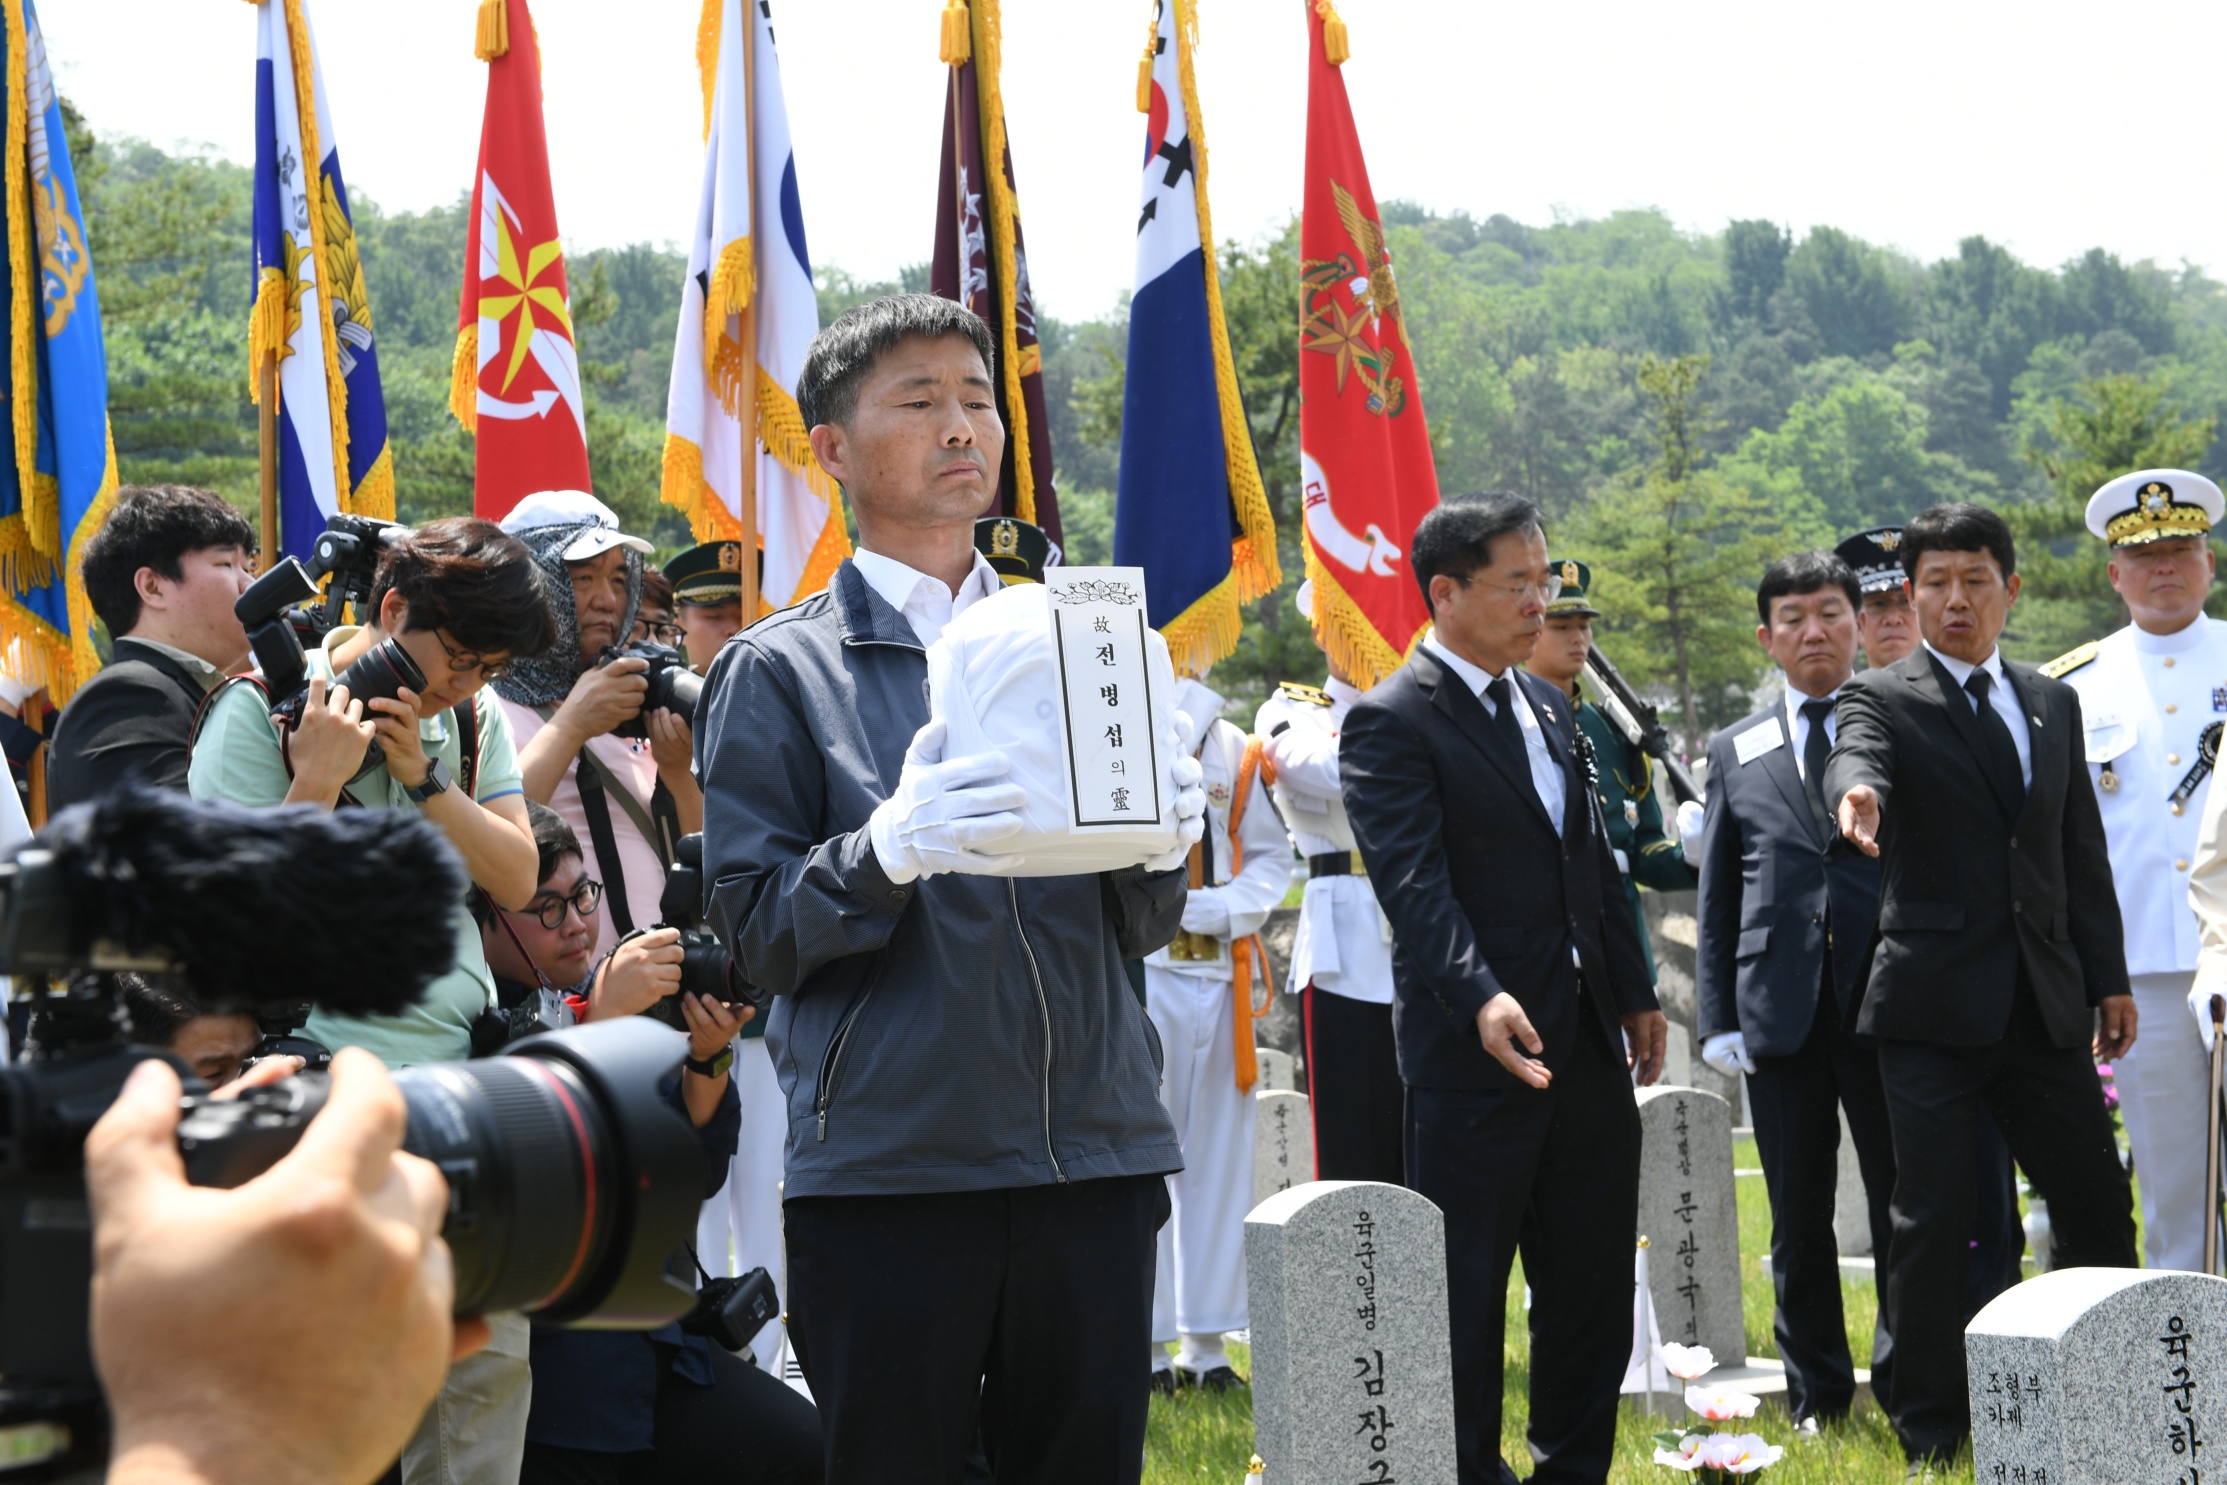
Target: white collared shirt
{"points": [[1546, 774], [201, 670], [1797, 725], [924, 601], [2001, 699]]}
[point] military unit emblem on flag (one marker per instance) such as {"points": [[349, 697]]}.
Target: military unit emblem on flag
{"points": [[516, 381], [1365, 466], [980, 258], [56, 489], [1190, 509], [312, 306], [738, 458]]}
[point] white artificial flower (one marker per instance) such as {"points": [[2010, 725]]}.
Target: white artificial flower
{"points": [[1687, 1457], [1720, 1403], [1686, 1362], [1738, 1453]]}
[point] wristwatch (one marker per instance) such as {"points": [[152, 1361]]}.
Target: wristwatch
{"points": [[712, 1067], [436, 782]]}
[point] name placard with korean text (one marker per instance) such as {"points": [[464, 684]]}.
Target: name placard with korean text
{"points": [[1106, 701]]}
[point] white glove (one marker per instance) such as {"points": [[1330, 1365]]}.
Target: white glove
{"points": [[2200, 1006], [1689, 827], [1190, 801], [1727, 1052], [943, 812], [1204, 912]]}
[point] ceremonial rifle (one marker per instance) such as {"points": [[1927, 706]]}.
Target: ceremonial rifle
{"points": [[1639, 722]]}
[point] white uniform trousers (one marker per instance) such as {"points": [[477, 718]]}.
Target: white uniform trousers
{"points": [[2162, 1082], [739, 1229], [1199, 1286]]}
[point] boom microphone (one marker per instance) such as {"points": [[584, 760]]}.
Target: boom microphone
{"points": [[352, 908]]}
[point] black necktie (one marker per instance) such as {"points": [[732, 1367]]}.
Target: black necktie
{"points": [[1815, 749], [1509, 730], [2000, 752]]}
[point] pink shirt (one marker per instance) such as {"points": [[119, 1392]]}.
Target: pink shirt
{"points": [[628, 760]]}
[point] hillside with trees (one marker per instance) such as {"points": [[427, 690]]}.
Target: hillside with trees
{"points": [[1685, 406]]}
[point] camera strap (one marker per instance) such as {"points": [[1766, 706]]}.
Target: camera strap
{"points": [[595, 803]]}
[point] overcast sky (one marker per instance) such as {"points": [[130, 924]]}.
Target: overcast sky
{"points": [[2049, 126]]}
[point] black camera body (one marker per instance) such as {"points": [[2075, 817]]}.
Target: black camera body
{"points": [[706, 968], [571, 1179], [673, 686], [732, 1310]]}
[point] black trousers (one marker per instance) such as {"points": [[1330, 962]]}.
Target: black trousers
{"points": [[747, 1428], [1353, 1089], [2048, 1104], [1027, 1310], [1556, 1174], [1796, 1101]]}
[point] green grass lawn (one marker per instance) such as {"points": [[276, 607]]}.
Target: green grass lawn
{"points": [[1194, 1437]]}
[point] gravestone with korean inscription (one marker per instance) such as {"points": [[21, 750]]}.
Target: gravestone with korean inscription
{"points": [[1691, 1220], [1283, 1144], [1276, 1072], [1352, 1367], [2099, 1376]]}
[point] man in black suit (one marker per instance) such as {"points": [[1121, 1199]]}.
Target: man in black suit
{"points": [[1786, 915], [1521, 999], [163, 574], [1999, 972]]}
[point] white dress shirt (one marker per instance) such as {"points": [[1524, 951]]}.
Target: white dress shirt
{"points": [[2001, 699], [1546, 774], [924, 601], [1797, 725]]}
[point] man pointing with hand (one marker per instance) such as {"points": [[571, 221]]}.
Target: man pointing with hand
{"points": [[1521, 1003], [2000, 970]]}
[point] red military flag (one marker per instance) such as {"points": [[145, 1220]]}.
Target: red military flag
{"points": [[516, 379], [1365, 470], [980, 259]]}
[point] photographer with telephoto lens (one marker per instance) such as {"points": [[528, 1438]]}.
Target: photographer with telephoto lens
{"points": [[457, 600], [595, 743]]}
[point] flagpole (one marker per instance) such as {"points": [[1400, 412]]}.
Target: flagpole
{"points": [[266, 374], [746, 483]]}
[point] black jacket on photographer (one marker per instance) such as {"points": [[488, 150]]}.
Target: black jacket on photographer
{"points": [[957, 1033], [134, 720]]}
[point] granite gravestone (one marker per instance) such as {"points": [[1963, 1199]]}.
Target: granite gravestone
{"points": [[2098, 1376], [1687, 1212], [1283, 1144], [1851, 1205], [1276, 1071], [1352, 1369]]}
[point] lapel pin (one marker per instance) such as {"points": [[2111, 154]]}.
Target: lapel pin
{"points": [[2037, 721]]}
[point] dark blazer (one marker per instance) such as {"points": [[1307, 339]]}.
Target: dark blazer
{"points": [[1970, 893], [133, 720], [1483, 895], [1777, 894]]}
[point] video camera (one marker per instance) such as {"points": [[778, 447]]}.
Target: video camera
{"points": [[571, 1179], [706, 968], [280, 612], [673, 686]]}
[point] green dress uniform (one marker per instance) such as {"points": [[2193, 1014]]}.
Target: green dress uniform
{"points": [[1648, 855]]}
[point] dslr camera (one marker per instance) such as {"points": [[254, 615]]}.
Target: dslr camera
{"points": [[673, 686], [573, 1184], [706, 968]]}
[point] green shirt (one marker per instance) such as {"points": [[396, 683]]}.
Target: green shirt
{"points": [[237, 758]]}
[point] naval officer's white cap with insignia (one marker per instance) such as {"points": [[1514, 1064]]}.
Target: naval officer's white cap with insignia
{"points": [[2155, 505]]}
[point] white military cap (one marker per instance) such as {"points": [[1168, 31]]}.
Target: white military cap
{"points": [[2155, 505]]}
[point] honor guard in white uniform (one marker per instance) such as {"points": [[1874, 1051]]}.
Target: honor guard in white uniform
{"points": [[1201, 991], [2152, 699], [1341, 960]]}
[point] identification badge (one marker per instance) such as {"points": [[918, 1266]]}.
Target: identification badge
{"points": [[1756, 741]]}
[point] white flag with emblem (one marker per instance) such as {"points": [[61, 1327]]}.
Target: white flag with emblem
{"points": [[747, 316]]}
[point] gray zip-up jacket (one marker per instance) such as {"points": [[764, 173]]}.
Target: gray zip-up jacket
{"points": [[955, 1033]]}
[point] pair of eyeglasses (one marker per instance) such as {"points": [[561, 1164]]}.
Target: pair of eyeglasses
{"points": [[662, 631], [1546, 592], [462, 661], [584, 899]]}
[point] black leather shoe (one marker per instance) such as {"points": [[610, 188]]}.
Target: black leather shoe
{"points": [[1214, 1379], [1163, 1381]]}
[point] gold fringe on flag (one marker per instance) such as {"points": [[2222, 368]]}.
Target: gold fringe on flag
{"points": [[375, 496], [23, 279], [781, 429], [463, 379], [1336, 48], [707, 55], [266, 327], [955, 49], [493, 38], [313, 153], [681, 485], [38, 653], [727, 291], [1347, 636], [988, 46]]}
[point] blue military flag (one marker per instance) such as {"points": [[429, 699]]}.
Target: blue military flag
{"points": [[1190, 509], [57, 489], [312, 306]]}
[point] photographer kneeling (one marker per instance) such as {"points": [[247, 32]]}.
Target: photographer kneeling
{"points": [[611, 1407], [627, 798], [460, 600]]}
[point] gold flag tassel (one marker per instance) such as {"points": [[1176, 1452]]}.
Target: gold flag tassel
{"points": [[958, 43], [1335, 47], [1144, 67], [493, 39]]}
